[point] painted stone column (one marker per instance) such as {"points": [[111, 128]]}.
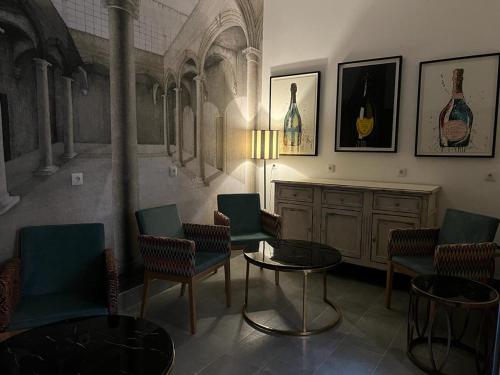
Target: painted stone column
{"points": [[178, 120], [199, 79], [47, 166], [123, 127], [253, 56], [69, 147], [6, 200]]}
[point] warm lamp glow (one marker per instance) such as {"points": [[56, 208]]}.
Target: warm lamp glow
{"points": [[265, 144]]}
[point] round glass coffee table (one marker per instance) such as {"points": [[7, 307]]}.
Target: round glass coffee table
{"points": [[444, 295], [293, 256], [89, 346]]}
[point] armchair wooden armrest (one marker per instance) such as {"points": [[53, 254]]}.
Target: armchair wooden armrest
{"points": [[168, 255], [112, 286], [10, 290], [221, 219], [472, 261], [412, 241], [210, 238], [271, 223]]}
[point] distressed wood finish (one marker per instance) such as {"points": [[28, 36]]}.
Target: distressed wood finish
{"points": [[353, 216]]}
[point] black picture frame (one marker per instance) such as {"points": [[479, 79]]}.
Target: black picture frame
{"points": [[316, 110], [493, 135], [394, 124]]}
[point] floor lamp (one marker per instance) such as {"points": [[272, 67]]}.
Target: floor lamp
{"points": [[265, 147]]}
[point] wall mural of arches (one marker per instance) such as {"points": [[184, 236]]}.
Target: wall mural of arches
{"points": [[191, 111]]}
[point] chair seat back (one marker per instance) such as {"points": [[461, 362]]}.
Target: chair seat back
{"points": [[243, 211], [466, 227], [161, 221], [62, 258]]}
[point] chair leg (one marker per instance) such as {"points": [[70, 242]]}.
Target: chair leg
{"points": [[277, 277], [145, 290], [388, 285], [227, 274], [192, 305], [183, 289]]}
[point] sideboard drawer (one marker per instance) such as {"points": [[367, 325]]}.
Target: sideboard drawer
{"points": [[399, 203], [342, 198], [296, 193]]}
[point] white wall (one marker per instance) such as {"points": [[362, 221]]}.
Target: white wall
{"points": [[318, 34]]}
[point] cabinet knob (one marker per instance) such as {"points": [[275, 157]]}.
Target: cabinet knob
{"points": [[374, 240], [397, 204]]}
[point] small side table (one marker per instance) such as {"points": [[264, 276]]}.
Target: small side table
{"points": [[443, 295]]}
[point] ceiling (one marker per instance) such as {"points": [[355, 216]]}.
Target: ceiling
{"points": [[158, 24]]}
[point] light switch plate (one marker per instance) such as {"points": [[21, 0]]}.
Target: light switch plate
{"points": [[76, 179]]}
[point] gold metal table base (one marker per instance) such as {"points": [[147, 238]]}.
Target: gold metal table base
{"points": [[304, 331]]}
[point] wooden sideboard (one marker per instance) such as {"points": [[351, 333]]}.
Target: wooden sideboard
{"points": [[355, 217]]}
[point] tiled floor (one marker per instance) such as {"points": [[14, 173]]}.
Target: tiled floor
{"points": [[369, 340]]}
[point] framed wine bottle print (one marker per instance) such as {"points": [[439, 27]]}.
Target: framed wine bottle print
{"points": [[457, 106], [368, 105], [293, 110]]}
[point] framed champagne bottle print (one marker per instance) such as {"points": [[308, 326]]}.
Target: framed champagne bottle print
{"points": [[368, 105], [457, 106], [293, 110]]}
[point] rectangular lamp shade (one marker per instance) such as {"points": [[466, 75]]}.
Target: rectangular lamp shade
{"points": [[265, 144]]}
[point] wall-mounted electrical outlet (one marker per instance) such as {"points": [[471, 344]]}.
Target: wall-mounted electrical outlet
{"points": [[331, 168], [172, 170], [76, 179], [490, 177], [402, 172]]}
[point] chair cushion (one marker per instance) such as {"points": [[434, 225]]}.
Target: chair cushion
{"points": [[160, 221], [205, 259], [250, 237], [423, 265], [34, 311], [62, 258], [465, 227], [243, 210]]}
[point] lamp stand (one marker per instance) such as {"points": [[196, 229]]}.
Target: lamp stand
{"points": [[265, 191]]}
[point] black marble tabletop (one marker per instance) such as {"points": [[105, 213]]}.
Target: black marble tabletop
{"points": [[293, 255], [455, 290], [97, 345]]}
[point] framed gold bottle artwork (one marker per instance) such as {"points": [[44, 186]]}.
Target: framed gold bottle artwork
{"points": [[368, 105]]}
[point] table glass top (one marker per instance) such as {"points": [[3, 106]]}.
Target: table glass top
{"points": [[96, 345], [293, 254], [455, 289]]}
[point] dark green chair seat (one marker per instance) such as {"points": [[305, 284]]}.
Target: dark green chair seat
{"points": [[422, 265], [39, 310], [240, 239], [205, 259]]}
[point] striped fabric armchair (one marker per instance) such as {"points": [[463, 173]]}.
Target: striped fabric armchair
{"points": [[461, 247], [184, 253]]}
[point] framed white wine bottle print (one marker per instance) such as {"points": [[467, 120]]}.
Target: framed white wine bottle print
{"points": [[293, 110], [457, 106], [368, 105]]}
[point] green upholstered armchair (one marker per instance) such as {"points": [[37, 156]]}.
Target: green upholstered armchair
{"points": [[62, 272], [248, 223], [461, 247], [184, 253]]}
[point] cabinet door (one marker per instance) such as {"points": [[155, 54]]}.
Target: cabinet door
{"points": [[297, 221], [341, 229], [382, 225]]}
